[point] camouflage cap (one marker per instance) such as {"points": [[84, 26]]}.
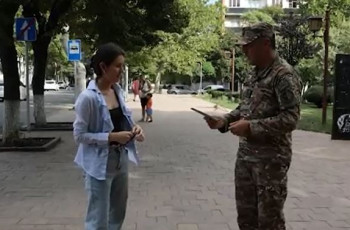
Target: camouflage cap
{"points": [[251, 33]]}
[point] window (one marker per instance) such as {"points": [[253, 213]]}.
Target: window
{"points": [[277, 3], [293, 3], [235, 3]]}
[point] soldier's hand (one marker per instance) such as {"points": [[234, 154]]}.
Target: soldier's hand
{"points": [[240, 128], [215, 122]]}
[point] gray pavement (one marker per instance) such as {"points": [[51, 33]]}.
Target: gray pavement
{"points": [[185, 180]]}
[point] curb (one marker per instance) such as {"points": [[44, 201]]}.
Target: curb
{"points": [[50, 126], [46, 147]]}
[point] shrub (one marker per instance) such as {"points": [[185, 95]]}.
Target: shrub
{"points": [[315, 95]]}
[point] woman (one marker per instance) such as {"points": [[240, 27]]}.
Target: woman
{"points": [[145, 88], [105, 133]]}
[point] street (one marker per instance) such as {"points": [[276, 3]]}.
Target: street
{"points": [[55, 101], [185, 180]]}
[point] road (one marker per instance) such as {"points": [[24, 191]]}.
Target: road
{"points": [[185, 180]]}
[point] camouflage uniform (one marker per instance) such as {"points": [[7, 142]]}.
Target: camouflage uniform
{"points": [[271, 102]]}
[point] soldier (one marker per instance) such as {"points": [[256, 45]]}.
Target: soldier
{"points": [[268, 113]]}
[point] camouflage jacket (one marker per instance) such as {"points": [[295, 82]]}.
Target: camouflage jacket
{"points": [[271, 102]]}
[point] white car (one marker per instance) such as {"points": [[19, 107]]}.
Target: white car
{"points": [[211, 87], [62, 85], [22, 92], [51, 85]]}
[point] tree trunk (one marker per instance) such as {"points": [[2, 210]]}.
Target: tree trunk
{"points": [[11, 121], [40, 48], [11, 94], [8, 56], [157, 83], [39, 112], [80, 80]]}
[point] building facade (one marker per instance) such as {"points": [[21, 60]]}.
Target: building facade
{"points": [[236, 8]]}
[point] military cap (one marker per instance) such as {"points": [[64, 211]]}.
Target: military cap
{"points": [[260, 30]]}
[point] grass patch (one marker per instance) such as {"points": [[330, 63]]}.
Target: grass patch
{"points": [[224, 101], [311, 116], [311, 119]]}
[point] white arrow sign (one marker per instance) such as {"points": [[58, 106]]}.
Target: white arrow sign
{"points": [[25, 29]]}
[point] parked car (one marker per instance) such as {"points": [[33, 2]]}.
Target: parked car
{"points": [[51, 85], [62, 85], [180, 89], [22, 92], [211, 87]]}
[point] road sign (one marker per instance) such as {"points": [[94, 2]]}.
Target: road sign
{"points": [[25, 29], [74, 50]]}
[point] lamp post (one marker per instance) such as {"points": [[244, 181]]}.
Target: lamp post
{"points": [[315, 24]]}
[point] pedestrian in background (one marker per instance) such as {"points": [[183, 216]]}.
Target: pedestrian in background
{"points": [[135, 87], [149, 110], [145, 88]]}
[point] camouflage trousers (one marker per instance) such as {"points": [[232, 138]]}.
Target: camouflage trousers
{"points": [[261, 190]]}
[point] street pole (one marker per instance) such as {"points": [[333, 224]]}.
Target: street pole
{"points": [[126, 82], [201, 77], [325, 71], [233, 70], [27, 86]]}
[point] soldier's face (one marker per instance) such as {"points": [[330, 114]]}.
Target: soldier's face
{"points": [[256, 51]]}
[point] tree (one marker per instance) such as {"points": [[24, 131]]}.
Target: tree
{"points": [[131, 24], [294, 41], [180, 52], [8, 56], [47, 15], [255, 16]]}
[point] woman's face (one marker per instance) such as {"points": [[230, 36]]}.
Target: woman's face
{"points": [[113, 72]]}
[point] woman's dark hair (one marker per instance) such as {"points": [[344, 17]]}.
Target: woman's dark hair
{"points": [[105, 53]]}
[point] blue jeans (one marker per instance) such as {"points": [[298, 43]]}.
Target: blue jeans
{"points": [[107, 199]]}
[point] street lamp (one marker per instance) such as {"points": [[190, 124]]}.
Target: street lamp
{"points": [[315, 24]]}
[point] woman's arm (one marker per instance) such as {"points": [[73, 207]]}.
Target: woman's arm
{"points": [[84, 115]]}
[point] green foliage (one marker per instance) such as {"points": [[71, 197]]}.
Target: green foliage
{"points": [[255, 16], [310, 71], [131, 24], [315, 95], [181, 52], [208, 70]]}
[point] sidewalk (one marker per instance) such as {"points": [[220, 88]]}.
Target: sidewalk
{"points": [[185, 180]]}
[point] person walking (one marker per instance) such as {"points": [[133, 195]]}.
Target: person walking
{"points": [[145, 88]]}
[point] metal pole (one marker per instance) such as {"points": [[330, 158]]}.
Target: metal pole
{"points": [[325, 73], [233, 70], [27, 86], [126, 82], [201, 77]]}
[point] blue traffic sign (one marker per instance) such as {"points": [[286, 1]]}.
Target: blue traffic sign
{"points": [[74, 50], [25, 29]]}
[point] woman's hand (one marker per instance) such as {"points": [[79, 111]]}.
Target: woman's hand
{"points": [[121, 137], [139, 135]]}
